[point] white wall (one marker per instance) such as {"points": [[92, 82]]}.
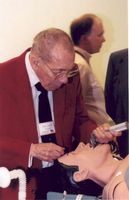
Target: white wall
{"points": [[20, 20]]}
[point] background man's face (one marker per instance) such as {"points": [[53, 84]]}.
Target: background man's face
{"points": [[96, 38]]}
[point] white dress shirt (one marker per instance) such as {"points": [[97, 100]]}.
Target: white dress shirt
{"points": [[35, 94]]}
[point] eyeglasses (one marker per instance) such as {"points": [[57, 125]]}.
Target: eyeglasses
{"points": [[59, 73]]}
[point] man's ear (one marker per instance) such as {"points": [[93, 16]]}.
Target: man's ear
{"points": [[84, 39], [80, 175]]}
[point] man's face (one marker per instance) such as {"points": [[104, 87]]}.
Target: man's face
{"points": [[96, 38], [87, 157], [54, 74]]}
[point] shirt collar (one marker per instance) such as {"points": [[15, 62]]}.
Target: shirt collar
{"points": [[83, 52], [31, 74]]}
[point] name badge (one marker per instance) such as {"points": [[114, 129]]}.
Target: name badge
{"points": [[46, 128]]}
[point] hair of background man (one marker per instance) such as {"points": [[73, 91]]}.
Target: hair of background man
{"points": [[81, 26]]}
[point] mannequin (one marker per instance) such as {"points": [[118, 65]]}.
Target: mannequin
{"points": [[98, 164]]}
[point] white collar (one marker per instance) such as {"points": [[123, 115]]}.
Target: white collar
{"points": [[31, 74], [83, 52]]}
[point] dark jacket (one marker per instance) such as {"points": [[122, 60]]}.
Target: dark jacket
{"points": [[116, 91]]}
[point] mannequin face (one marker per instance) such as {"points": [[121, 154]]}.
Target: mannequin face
{"points": [[87, 158]]}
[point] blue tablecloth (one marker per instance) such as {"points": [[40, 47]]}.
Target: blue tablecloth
{"points": [[59, 196]]}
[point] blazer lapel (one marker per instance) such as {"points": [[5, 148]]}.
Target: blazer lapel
{"points": [[25, 104], [59, 111]]}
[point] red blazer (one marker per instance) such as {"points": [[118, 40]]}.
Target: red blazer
{"points": [[17, 118]]}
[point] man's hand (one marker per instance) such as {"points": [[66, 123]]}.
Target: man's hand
{"points": [[104, 135], [46, 151]]}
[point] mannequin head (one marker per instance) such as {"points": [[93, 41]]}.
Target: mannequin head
{"points": [[88, 162], [98, 165]]}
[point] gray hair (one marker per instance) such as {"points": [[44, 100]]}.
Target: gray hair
{"points": [[45, 41]]}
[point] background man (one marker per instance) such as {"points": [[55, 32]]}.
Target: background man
{"points": [[87, 33]]}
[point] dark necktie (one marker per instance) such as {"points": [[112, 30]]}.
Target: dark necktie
{"points": [[44, 111]]}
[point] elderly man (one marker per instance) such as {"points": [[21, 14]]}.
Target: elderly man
{"points": [[41, 112]]}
